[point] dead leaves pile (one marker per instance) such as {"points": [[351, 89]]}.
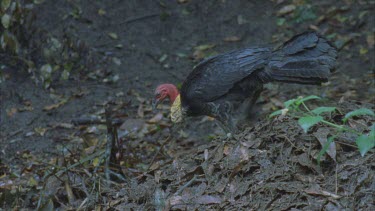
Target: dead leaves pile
{"points": [[272, 166]]}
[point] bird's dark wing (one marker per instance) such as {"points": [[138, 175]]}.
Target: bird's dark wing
{"points": [[215, 76]]}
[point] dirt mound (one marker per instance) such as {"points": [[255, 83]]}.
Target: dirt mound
{"points": [[272, 166]]}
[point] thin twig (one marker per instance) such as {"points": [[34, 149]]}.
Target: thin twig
{"points": [[336, 189], [285, 137], [346, 144], [110, 143], [14, 133], [133, 19], [94, 121], [179, 191], [90, 157], [162, 145], [119, 176]]}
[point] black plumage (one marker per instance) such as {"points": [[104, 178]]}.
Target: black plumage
{"points": [[219, 83]]}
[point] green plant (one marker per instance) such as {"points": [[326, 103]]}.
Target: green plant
{"points": [[308, 118]]}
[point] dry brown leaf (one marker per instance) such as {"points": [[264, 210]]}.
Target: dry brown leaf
{"points": [[232, 39], [150, 129], [101, 12], [141, 99], [370, 40], [286, 9], [154, 166], [6, 184], [183, 134], [204, 47], [27, 103], [244, 154], [207, 199], [206, 154], [175, 200], [322, 193], [54, 106], [140, 111], [226, 150], [132, 125], [11, 112], [277, 102], [113, 35], [90, 150], [156, 118], [69, 192], [321, 134], [314, 27], [200, 51], [26, 108], [63, 125], [157, 175], [164, 124], [91, 140], [41, 131]]}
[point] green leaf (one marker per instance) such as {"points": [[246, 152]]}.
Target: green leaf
{"points": [[280, 21], [5, 4], [275, 113], [320, 110], [288, 103], [5, 20], [311, 97], [304, 13], [65, 75], [325, 148], [309, 121], [365, 143], [358, 112], [372, 133], [372, 128], [38, 1]]}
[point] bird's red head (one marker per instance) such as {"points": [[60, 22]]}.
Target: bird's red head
{"points": [[164, 91]]}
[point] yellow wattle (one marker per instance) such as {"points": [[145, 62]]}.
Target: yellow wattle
{"points": [[176, 110]]}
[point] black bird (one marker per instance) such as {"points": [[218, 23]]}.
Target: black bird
{"points": [[226, 81]]}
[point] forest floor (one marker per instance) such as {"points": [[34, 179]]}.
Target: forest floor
{"points": [[129, 47]]}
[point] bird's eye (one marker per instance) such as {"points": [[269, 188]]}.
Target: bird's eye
{"points": [[158, 95]]}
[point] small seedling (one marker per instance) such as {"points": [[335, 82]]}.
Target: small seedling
{"points": [[308, 118]]}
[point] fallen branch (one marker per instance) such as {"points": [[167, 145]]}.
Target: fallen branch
{"points": [[137, 18], [94, 121]]}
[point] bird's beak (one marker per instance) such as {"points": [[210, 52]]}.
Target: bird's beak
{"points": [[155, 104]]}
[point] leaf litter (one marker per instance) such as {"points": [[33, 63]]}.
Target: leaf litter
{"points": [[272, 166]]}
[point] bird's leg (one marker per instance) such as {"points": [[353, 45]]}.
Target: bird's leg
{"points": [[246, 109], [221, 112], [251, 102]]}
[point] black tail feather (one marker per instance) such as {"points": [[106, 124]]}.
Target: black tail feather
{"points": [[306, 58]]}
